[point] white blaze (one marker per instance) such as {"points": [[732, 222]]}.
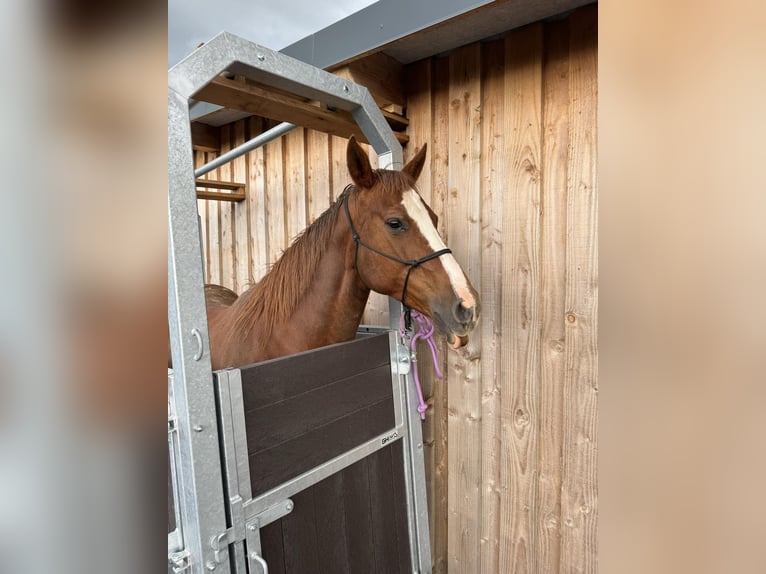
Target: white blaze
{"points": [[417, 211]]}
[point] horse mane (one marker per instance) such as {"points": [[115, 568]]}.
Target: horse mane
{"points": [[276, 296]]}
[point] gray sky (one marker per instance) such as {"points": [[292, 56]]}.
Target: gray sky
{"points": [[274, 23]]}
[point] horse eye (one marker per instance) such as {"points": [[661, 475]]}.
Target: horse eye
{"points": [[395, 224]]}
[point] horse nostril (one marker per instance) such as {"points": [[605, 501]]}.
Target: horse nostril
{"points": [[463, 314]]}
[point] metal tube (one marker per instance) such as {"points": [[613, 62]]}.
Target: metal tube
{"points": [[256, 142]]}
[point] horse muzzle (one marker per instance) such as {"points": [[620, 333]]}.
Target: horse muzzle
{"points": [[457, 322]]}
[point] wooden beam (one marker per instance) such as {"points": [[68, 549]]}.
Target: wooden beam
{"points": [[381, 74], [260, 101], [233, 196], [205, 137], [236, 190]]}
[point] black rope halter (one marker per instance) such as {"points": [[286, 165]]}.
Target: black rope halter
{"points": [[412, 264]]}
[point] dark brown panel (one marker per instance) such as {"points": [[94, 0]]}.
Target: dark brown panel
{"points": [[269, 468], [359, 538], [400, 506], [299, 534], [354, 520], [383, 513], [329, 506], [270, 426], [276, 380], [273, 548]]}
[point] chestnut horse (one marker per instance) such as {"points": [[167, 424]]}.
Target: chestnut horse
{"points": [[378, 236]]}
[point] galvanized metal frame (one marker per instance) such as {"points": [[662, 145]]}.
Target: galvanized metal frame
{"points": [[215, 507]]}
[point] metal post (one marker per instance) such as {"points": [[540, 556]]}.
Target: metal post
{"points": [[206, 537], [256, 142]]}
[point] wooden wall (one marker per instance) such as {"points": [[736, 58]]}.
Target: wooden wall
{"points": [[510, 442]]}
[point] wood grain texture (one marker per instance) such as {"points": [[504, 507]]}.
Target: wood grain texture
{"points": [[295, 183], [463, 367], [230, 196], [317, 173], [419, 105], [256, 200], [440, 394], [521, 283], [493, 187], [579, 472], [214, 229], [226, 210], [552, 287], [275, 200], [199, 159], [241, 217]]}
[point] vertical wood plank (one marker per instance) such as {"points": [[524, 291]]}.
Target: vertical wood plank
{"points": [[317, 173], [275, 200], [464, 367], [199, 161], [555, 136], [226, 209], [339, 177], [256, 199], [214, 228], [493, 178], [440, 393], [521, 224], [295, 183], [242, 254], [579, 473], [420, 113]]}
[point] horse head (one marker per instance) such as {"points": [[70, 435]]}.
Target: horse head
{"points": [[398, 250]]}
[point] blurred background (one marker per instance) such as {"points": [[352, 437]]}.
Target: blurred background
{"points": [[83, 300]]}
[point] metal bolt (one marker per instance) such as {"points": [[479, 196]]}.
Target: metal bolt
{"points": [[345, 88], [251, 527], [289, 506], [253, 555], [261, 57], [197, 428]]}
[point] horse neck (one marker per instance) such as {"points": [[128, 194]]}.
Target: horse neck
{"points": [[329, 309], [332, 308]]}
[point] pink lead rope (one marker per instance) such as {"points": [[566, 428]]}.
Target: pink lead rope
{"points": [[424, 329]]}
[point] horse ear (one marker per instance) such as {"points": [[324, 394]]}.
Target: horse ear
{"points": [[415, 165], [359, 165]]}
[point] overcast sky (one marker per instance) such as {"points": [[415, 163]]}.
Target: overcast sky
{"points": [[273, 23]]}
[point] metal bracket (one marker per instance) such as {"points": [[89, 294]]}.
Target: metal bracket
{"points": [[271, 514], [236, 533], [404, 360], [180, 561]]}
